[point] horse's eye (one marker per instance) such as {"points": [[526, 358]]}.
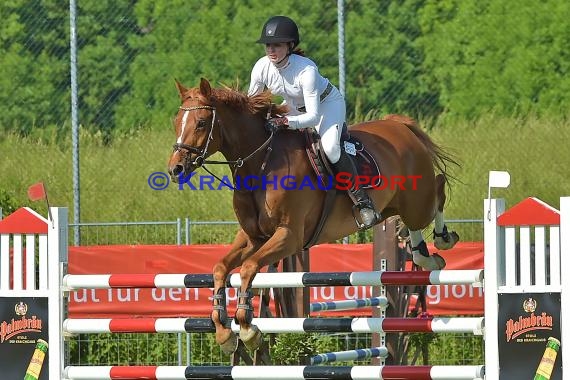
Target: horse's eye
{"points": [[201, 124]]}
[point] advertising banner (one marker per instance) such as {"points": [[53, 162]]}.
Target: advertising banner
{"points": [[24, 338], [117, 303], [527, 322]]}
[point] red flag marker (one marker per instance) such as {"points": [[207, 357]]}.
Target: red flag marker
{"points": [[37, 192]]}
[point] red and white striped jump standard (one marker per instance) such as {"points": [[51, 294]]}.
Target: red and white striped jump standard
{"points": [[278, 373]]}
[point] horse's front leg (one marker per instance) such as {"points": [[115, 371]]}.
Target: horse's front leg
{"points": [[241, 247], [283, 243]]}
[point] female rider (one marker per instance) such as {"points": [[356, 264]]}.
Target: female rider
{"points": [[313, 101]]}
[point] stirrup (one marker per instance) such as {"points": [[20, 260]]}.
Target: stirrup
{"points": [[356, 212]]}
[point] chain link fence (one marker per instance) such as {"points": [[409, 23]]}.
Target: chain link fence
{"points": [[179, 231], [486, 78]]}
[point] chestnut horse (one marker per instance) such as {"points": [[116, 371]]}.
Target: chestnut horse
{"points": [[276, 222]]}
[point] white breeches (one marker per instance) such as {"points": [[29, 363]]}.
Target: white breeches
{"points": [[333, 116]]}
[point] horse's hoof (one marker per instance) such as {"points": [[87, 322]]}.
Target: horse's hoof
{"points": [[442, 244], [440, 261], [433, 262], [230, 345], [251, 338]]}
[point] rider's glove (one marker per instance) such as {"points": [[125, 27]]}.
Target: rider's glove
{"points": [[276, 123]]}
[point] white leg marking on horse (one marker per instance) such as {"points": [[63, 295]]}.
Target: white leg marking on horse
{"points": [[439, 222], [416, 237], [431, 262]]}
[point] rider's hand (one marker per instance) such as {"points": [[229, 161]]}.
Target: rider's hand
{"points": [[276, 123]]}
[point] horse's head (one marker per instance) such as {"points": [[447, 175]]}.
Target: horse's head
{"points": [[197, 130], [200, 131]]}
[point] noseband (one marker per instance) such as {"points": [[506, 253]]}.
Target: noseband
{"points": [[200, 152]]}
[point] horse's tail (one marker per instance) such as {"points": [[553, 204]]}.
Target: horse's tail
{"points": [[440, 158]]}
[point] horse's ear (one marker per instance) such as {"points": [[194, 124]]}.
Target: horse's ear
{"points": [[205, 88], [181, 89]]}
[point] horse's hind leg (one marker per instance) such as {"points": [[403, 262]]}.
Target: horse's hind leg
{"points": [[442, 238], [420, 253]]}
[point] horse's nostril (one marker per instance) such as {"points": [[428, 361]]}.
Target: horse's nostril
{"points": [[177, 169]]}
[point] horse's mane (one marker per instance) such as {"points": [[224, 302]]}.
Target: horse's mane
{"points": [[256, 105]]}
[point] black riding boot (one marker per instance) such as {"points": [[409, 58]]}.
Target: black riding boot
{"points": [[362, 201]]}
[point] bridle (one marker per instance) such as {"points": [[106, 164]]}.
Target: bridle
{"points": [[200, 159], [200, 152]]}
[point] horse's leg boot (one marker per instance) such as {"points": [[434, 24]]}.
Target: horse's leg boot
{"points": [[445, 240], [226, 338], [359, 197], [421, 257]]}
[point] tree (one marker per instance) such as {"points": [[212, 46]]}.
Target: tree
{"points": [[34, 70], [492, 55], [105, 29], [211, 39], [385, 65]]}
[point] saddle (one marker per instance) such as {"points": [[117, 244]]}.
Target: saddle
{"points": [[365, 163]]}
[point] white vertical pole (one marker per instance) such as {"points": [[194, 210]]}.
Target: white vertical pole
{"points": [[565, 282], [30, 262], [57, 256], [17, 267], [4, 262], [555, 255], [510, 256], [524, 245], [43, 263], [74, 118], [540, 255], [493, 248]]}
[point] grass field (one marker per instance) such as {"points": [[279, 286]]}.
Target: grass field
{"points": [[114, 178]]}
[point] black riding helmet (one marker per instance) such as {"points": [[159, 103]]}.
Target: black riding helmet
{"points": [[279, 29]]}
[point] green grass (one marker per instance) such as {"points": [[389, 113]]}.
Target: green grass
{"points": [[114, 178], [532, 150]]}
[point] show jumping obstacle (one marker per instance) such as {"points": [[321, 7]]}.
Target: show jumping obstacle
{"points": [[44, 258], [538, 273], [277, 372], [275, 280], [359, 354], [277, 325], [525, 270], [349, 304]]}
